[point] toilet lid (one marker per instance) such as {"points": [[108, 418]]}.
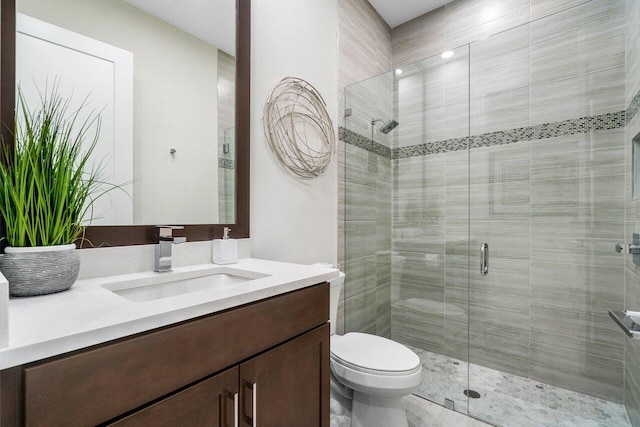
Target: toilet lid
{"points": [[373, 353]]}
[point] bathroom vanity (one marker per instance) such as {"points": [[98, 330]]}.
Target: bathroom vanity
{"points": [[264, 362]]}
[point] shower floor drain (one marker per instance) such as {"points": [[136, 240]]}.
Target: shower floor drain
{"points": [[472, 394]]}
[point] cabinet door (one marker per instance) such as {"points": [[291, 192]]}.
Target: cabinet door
{"points": [[211, 403], [288, 385]]}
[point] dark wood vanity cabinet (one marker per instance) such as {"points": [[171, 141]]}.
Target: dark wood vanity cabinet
{"points": [[261, 364]]}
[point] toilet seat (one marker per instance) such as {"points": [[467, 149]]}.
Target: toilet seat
{"points": [[376, 365], [373, 354]]}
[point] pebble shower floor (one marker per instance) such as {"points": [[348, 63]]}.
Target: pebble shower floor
{"points": [[512, 401]]}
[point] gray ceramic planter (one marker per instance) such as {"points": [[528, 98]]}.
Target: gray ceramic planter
{"points": [[40, 270]]}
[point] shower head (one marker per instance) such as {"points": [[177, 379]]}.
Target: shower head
{"points": [[387, 125]]}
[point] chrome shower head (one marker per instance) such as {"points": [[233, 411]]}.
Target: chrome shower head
{"points": [[387, 125]]}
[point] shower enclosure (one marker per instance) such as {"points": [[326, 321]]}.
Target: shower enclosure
{"points": [[480, 229]]}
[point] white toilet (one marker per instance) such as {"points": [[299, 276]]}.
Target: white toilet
{"points": [[369, 376]]}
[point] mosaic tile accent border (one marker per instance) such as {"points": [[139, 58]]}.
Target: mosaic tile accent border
{"points": [[634, 106], [226, 164], [437, 147], [504, 137], [365, 143], [529, 133]]}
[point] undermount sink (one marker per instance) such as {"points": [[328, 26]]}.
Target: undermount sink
{"points": [[166, 285]]}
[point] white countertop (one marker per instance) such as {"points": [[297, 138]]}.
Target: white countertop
{"points": [[88, 314]]}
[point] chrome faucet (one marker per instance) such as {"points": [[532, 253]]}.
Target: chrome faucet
{"points": [[163, 248]]}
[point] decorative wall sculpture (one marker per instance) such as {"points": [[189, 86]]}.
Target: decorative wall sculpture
{"points": [[298, 128]]}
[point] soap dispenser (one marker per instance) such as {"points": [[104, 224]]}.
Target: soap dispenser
{"points": [[225, 250]]}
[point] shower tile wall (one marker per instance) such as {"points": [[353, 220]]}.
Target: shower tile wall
{"points": [[632, 272], [465, 21], [364, 45], [422, 37], [433, 102], [500, 82], [551, 206], [364, 50], [367, 186], [367, 254]]}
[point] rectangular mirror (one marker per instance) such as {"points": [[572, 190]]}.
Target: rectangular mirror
{"points": [[171, 80]]}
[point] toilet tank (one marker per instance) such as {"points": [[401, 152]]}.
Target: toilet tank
{"points": [[334, 295]]}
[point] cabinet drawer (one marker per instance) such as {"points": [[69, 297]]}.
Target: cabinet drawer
{"points": [[95, 385]]}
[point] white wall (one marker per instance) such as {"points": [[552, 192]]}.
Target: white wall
{"points": [[292, 220]]}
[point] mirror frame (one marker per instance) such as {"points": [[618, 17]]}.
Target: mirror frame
{"points": [[127, 235]]}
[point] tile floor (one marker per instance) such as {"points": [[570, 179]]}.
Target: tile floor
{"points": [[509, 400], [422, 413]]}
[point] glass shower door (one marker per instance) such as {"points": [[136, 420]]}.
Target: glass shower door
{"points": [[547, 194], [430, 226], [499, 220]]}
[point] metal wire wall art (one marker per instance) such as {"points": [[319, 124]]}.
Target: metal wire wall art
{"points": [[298, 128]]}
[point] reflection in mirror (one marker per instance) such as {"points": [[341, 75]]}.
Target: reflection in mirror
{"points": [[166, 87]]}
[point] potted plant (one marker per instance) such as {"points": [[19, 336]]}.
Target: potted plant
{"points": [[47, 188]]}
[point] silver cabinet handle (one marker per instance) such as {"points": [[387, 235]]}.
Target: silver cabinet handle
{"points": [[254, 386], [484, 259], [253, 417], [236, 413], [236, 410]]}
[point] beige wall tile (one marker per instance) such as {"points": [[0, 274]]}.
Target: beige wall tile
{"points": [[419, 38], [542, 8], [467, 21], [632, 49]]}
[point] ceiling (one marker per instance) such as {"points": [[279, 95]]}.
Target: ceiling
{"points": [[213, 21], [397, 12]]}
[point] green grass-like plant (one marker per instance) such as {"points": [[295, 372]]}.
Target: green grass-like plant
{"points": [[47, 182]]}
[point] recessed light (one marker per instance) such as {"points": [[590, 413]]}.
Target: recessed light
{"points": [[447, 54], [398, 71]]}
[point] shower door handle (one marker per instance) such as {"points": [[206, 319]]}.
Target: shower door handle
{"points": [[484, 259]]}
